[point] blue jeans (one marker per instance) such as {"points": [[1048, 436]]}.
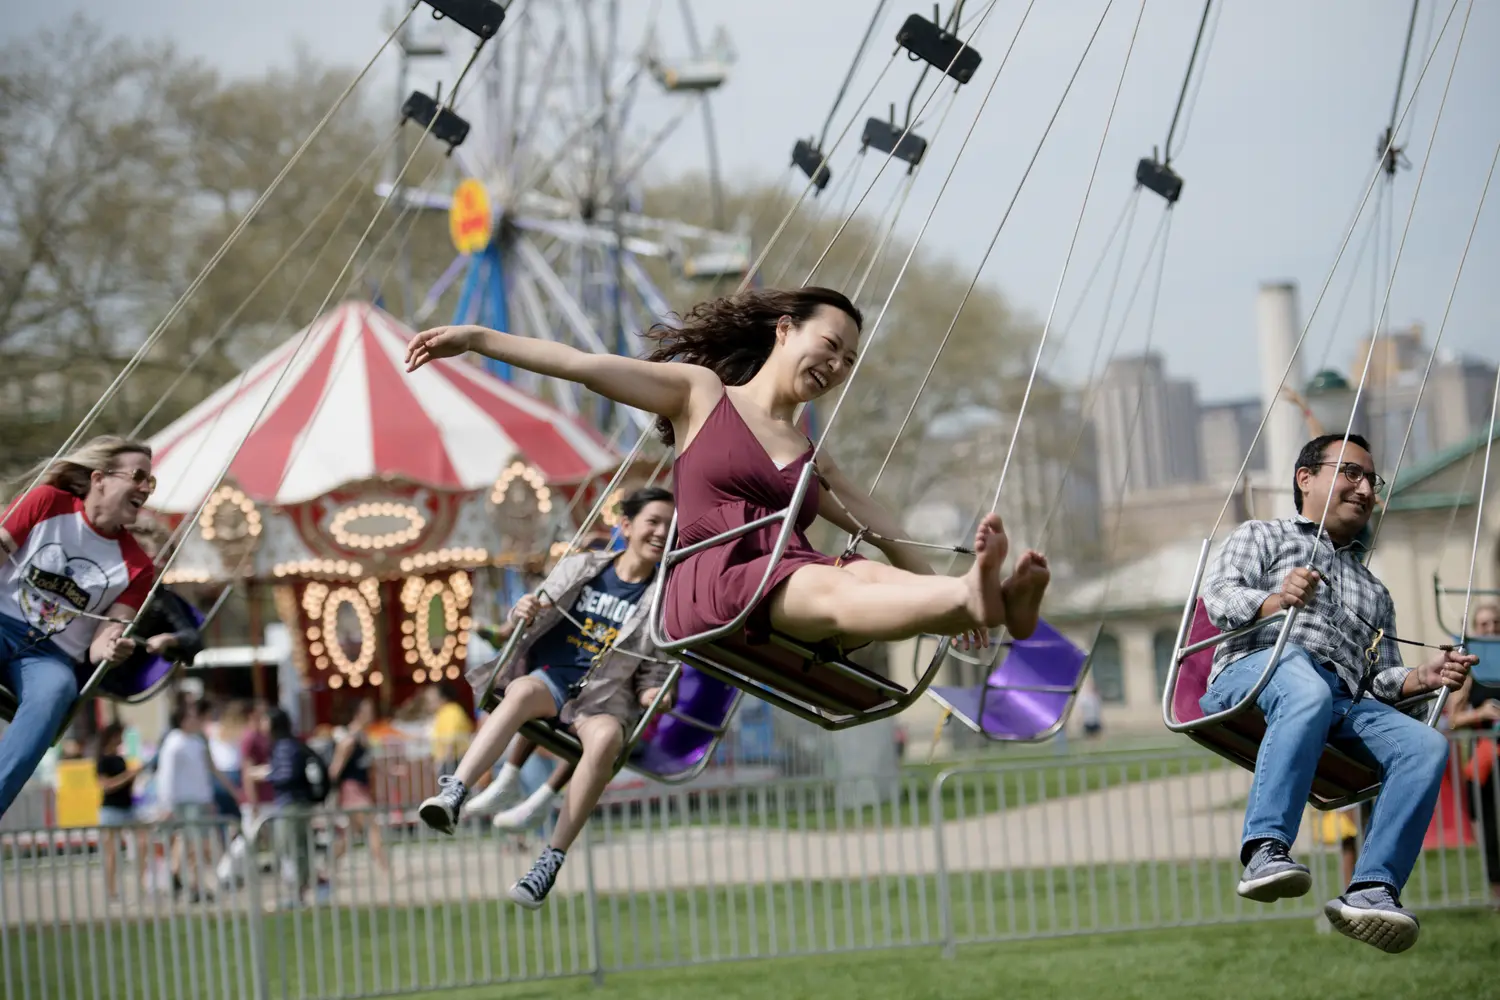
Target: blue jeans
{"points": [[1305, 705], [40, 675]]}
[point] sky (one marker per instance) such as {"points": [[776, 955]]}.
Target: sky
{"points": [[1278, 150]]}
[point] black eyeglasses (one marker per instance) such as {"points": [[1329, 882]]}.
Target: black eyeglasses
{"points": [[1354, 472]]}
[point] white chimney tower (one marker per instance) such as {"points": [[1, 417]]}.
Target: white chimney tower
{"points": [[1277, 327]]}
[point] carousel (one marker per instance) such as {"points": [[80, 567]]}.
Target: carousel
{"points": [[387, 512]]}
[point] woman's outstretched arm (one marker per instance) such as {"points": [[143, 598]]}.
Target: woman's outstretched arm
{"points": [[867, 511], [656, 387]]}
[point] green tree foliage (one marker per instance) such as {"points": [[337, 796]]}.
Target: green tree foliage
{"points": [[123, 168]]}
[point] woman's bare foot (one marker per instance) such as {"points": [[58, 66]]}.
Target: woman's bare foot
{"points": [[986, 596], [1023, 593]]}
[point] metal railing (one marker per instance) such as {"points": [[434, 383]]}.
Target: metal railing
{"points": [[296, 906]]}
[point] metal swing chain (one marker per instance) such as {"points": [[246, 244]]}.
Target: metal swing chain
{"points": [[1438, 339], [184, 526], [906, 130], [1091, 397], [1270, 405], [238, 310], [1390, 284], [302, 341], [146, 345], [953, 323]]}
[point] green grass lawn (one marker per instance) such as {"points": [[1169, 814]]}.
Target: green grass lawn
{"points": [[1274, 960]]}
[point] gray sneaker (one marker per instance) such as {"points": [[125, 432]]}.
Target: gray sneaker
{"points": [[441, 811], [1272, 875], [1374, 916]]}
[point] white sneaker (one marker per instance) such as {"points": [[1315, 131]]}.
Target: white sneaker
{"points": [[525, 815], [496, 796]]}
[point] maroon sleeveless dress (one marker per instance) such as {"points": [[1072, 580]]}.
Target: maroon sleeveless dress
{"points": [[722, 480]]}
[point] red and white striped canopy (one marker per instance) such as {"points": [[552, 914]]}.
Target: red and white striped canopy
{"points": [[346, 411]]}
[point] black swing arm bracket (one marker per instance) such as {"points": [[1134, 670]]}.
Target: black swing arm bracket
{"points": [[888, 137], [939, 48], [811, 161], [445, 124], [481, 17], [1160, 178]]}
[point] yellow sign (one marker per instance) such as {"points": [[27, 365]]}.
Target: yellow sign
{"points": [[77, 793], [469, 217]]}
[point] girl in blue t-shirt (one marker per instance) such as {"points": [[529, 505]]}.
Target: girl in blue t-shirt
{"points": [[587, 660]]}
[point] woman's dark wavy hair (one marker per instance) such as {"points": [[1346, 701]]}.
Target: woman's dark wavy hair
{"points": [[637, 501], [732, 336]]}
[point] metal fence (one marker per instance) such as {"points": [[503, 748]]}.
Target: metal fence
{"points": [[296, 906]]}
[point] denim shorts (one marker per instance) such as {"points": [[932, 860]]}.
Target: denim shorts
{"points": [[554, 685], [115, 816]]}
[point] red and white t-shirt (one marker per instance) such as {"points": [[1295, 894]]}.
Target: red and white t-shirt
{"points": [[62, 566]]}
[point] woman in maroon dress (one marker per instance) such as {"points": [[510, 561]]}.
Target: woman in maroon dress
{"points": [[726, 385]]}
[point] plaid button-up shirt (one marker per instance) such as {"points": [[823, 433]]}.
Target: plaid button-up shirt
{"points": [[1338, 624]]}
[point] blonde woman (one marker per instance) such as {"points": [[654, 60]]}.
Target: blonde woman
{"points": [[69, 559]]}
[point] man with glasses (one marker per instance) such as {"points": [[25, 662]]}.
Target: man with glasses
{"points": [[1338, 677]]}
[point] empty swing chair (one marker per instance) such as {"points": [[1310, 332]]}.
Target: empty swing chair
{"points": [[1486, 647], [1027, 696]]}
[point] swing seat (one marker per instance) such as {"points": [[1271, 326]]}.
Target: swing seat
{"points": [[133, 685], [1487, 670], [680, 741], [817, 682], [671, 746], [814, 681], [1341, 779], [1029, 694]]}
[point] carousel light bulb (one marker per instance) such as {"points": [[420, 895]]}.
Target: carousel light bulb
{"points": [[376, 679], [335, 682], [419, 675], [356, 681], [412, 657], [452, 673], [315, 648]]}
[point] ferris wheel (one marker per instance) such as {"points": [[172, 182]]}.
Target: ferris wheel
{"points": [[573, 102]]}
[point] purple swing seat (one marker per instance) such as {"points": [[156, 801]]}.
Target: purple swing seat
{"points": [[1027, 697], [676, 745], [133, 683], [680, 743], [130, 684]]}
